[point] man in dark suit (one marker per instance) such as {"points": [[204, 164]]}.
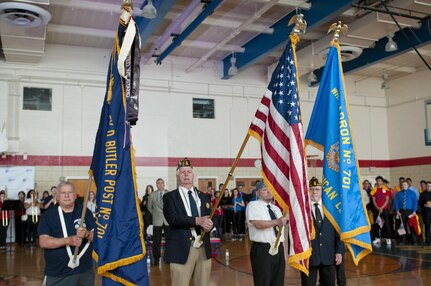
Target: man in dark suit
{"points": [[327, 247], [187, 212]]}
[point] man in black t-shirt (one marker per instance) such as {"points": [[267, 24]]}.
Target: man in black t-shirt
{"points": [[59, 234]]}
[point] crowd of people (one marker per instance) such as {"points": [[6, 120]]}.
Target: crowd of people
{"points": [[182, 215], [27, 213], [398, 213]]}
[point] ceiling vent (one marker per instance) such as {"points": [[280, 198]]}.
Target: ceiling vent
{"points": [[348, 53], [23, 15]]}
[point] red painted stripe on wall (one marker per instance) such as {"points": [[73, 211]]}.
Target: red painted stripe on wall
{"points": [[198, 162]]}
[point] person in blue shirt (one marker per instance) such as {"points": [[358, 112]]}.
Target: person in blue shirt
{"points": [[238, 211], [254, 192], [59, 234], [406, 204]]}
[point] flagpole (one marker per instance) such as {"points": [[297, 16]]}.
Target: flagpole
{"points": [[230, 174], [277, 241], [84, 211], [299, 28]]}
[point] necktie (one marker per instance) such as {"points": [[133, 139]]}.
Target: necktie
{"points": [[317, 214], [405, 200], [193, 206], [161, 199], [194, 210], [272, 215]]}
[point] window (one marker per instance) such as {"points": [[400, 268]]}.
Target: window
{"points": [[203, 108], [37, 98], [427, 130]]}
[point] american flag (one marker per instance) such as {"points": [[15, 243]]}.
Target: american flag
{"points": [[277, 125]]}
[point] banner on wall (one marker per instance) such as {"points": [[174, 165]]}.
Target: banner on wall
{"points": [[16, 179]]}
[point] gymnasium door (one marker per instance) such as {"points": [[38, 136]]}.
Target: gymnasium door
{"points": [[247, 184], [203, 184], [81, 186]]}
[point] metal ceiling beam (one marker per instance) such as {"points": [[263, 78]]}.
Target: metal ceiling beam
{"points": [[372, 56], [209, 9], [148, 26], [174, 27], [261, 45]]}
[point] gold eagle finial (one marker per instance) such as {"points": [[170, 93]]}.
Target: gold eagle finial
{"points": [[300, 24], [127, 4], [337, 28]]}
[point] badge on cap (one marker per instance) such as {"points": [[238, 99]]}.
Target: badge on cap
{"points": [[184, 163], [314, 182]]}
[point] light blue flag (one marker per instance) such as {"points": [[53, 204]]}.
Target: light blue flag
{"points": [[330, 131]]}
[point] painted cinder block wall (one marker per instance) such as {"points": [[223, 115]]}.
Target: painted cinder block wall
{"points": [[60, 142]]}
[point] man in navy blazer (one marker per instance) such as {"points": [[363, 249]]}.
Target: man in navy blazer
{"points": [[187, 211], [327, 248]]}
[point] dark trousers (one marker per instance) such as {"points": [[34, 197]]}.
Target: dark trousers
{"points": [[218, 220], [268, 270], [20, 230], [82, 279], [427, 222], [3, 234], [31, 230], [157, 240], [227, 220], [148, 220], [237, 217], [386, 229], [341, 274], [242, 223], [326, 276], [410, 232], [391, 225]]}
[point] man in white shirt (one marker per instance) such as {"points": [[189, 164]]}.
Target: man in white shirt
{"points": [[264, 221]]}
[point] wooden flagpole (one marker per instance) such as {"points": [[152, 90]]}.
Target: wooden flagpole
{"points": [[230, 174], [84, 211]]}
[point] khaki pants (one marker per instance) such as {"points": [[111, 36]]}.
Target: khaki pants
{"points": [[197, 265]]}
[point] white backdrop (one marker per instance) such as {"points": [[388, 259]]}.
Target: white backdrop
{"points": [[16, 179]]}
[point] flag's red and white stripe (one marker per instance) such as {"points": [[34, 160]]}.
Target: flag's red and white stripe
{"points": [[284, 169]]}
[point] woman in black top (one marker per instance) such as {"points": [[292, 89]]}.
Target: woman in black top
{"points": [[148, 219]]}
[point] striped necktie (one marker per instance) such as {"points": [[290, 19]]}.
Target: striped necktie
{"points": [[161, 199], [405, 200]]}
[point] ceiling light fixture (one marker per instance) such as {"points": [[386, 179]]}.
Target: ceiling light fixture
{"points": [[233, 70], [391, 45], [385, 83], [311, 78], [149, 11]]}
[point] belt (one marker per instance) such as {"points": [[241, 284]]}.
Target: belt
{"points": [[263, 243]]}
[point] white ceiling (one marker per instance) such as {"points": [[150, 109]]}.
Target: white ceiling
{"points": [[92, 23]]}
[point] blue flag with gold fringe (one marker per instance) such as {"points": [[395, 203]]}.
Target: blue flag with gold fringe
{"points": [[119, 246], [330, 131]]}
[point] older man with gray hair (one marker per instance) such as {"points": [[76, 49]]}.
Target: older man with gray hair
{"points": [[187, 211]]}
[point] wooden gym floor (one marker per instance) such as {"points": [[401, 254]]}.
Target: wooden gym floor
{"points": [[387, 265]]}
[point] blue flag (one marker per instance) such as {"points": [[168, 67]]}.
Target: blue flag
{"points": [[330, 131], [119, 246]]}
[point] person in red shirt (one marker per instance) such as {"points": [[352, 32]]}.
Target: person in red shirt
{"points": [[381, 196]]}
